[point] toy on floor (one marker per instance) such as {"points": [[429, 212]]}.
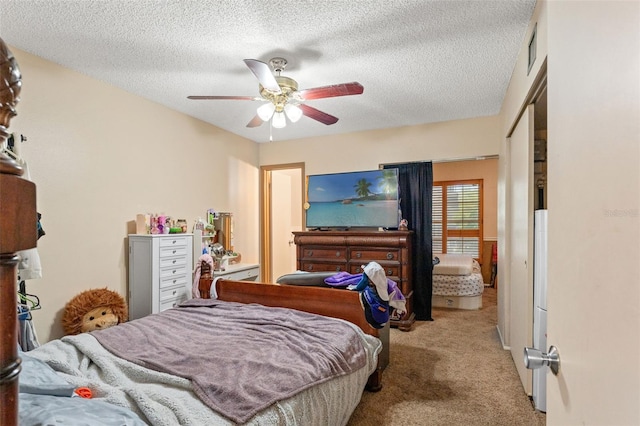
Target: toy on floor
{"points": [[94, 309]]}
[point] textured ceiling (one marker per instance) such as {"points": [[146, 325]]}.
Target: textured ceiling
{"points": [[419, 61]]}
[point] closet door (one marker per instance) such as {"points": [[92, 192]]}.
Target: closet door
{"points": [[521, 242]]}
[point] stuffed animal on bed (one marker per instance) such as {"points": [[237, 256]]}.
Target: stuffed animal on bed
{"points": [[94, 309]]}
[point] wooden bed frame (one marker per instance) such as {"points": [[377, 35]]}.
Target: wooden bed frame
{"points": [[337, 303]]}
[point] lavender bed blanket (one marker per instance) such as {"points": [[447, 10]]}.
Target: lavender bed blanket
{"points": [[240, 358]]}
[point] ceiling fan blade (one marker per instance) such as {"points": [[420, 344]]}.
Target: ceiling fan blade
{"points": [[241, 98], [317, 115], [264, 75], [255, 122], [344, 89]]}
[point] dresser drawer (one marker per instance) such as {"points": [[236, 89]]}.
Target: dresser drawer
{"points": [[323, 267], [170, 304], [172, 294], [173, 262], [368, 255], [168, 252], [325, 253], [244, 275], [178, 271], [174, 242], [390, 271], [176, 279]]}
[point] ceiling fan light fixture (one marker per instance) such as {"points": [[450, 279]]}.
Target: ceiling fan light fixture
{"points": [[279, 120], [266, 111], [281, 99], [293, 112]]}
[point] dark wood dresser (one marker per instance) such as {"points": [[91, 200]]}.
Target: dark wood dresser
{"points": [[349, 251]]}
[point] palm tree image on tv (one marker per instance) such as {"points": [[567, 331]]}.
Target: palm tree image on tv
{"points": [[362, 188], [354, 199]]}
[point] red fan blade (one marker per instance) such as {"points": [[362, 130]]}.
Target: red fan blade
{"points": [[255, 122], [264, 75], [344, 89], [318, 115], [241, 98]]}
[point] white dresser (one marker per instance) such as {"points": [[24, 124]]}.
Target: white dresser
{"points": [[159, 272]]}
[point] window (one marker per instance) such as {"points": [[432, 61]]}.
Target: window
{"points": [[457, 217]]}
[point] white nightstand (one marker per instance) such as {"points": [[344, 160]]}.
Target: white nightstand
{"points": [[240, 272]]}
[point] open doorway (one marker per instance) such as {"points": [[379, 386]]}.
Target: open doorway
{"points": [[281, 213]]}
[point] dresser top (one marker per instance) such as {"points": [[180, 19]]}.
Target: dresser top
{"points": [[160, 235], [352, 232]]}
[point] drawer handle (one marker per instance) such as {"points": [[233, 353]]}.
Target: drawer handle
{"points": [[338, 268], [174, 271], [175, 281], [389, 272], [310, 253], [359, 270], [174, 241], [389, 256], [174, 292], [174, 261], [358, 255], [310, 268], [337, 254]]}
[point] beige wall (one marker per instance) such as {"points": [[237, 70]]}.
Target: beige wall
{"points": [[99, 156], [461, 139]]}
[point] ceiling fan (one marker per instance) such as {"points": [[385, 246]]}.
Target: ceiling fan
{"points": [[282, 97]]}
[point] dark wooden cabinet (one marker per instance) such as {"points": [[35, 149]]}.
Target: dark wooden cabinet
{"points": [[349, 251]]}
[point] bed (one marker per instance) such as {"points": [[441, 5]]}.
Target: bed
{"points": [[135, 373], [457, 282], [189, 368]]}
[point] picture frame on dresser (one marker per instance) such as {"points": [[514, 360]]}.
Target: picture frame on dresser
{"points": [[349, 251]]}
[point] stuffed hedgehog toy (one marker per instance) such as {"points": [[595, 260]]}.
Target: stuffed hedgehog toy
{"points": [[94, 309]]}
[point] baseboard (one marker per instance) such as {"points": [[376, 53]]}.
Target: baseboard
{"points": [[505, 347]]}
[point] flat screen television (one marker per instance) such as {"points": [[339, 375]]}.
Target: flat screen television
{"points": [[366, 199]]}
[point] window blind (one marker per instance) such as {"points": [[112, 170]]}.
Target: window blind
{"points": [[457, 217]]}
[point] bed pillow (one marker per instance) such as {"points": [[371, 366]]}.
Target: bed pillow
{"points": [[453, 264], [37, 377], [315, 279]]}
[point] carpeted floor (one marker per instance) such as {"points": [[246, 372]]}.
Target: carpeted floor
{"points": [[450, 371]]}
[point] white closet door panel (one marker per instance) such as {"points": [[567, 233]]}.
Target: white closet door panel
{"points": [[521, 246]]}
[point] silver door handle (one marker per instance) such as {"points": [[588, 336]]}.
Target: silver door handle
{"points": [[535, 358]]}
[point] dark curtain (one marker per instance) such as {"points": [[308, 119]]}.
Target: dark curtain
{"points": [[415, 182]]}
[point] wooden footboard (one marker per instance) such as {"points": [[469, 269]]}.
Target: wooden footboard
{"points": [[329, 302]]}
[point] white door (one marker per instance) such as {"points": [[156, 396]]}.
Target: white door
{"points": [[286, 208], [521, 243], [594, 212]]}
